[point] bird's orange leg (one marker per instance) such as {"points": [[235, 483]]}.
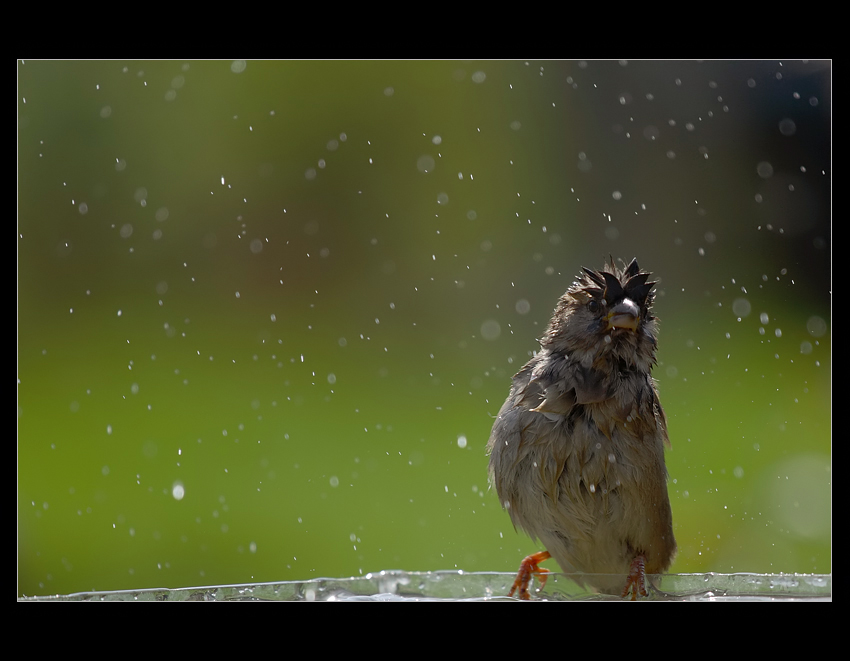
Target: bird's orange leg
{"points": [[636, 582], [527, 569]]}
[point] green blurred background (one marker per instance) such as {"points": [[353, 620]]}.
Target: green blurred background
{"points": [[267, 311]]}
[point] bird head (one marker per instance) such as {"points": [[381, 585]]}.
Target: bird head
{"points": [[606, 314]]}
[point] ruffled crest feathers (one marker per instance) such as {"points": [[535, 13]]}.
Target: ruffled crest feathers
{"points": [[613, 283]]}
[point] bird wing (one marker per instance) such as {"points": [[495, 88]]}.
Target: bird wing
{"points": [[556, 385]]}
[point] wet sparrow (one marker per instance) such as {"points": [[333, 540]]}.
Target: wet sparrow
{"points": [[577, 450]]}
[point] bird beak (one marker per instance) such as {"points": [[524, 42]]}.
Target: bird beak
{"points": [[624, 315]]}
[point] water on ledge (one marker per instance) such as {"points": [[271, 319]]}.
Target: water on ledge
{"points": [[397, 585]]}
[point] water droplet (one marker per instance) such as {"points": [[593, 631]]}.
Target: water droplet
{"points": [[490, 329]]}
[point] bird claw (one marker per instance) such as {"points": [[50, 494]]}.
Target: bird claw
{"points": [[528, 568], [636, 582]]}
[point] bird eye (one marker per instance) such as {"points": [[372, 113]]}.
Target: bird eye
{"points": [[593, 306]]}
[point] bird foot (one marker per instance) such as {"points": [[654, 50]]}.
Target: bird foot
{"points": [[636, 582], [527, 569]]}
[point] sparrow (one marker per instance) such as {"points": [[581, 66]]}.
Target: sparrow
{"points": [[577, 450]]}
